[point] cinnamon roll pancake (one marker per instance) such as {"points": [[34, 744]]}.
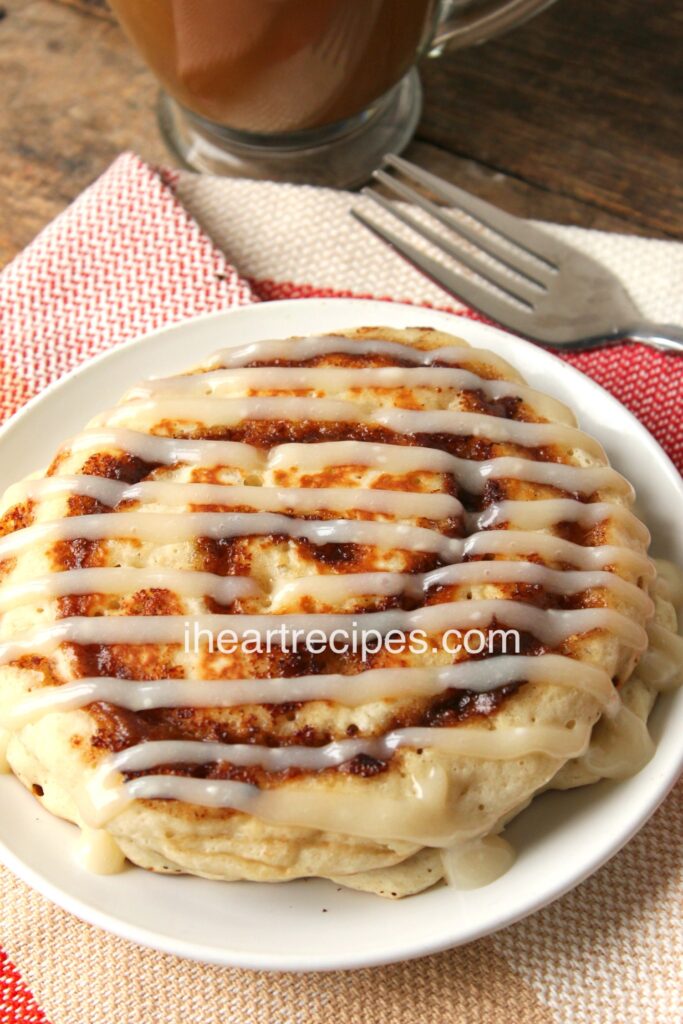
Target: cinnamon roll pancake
{"points": [[334, 606]]}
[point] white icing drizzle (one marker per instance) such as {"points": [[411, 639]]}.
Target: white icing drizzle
{"points": [[168, 451], [550, 625], [99, 852], [333, 588], [474, 863], [402, 459], [301, 349], [325, 379], [339, 587], [554, 580], [106, 491], [350, 690], [390, 458], [493, 428], [226, 412], [540, 515], [470, 741], [184, 582], [330, 588], [556, 549], [106, 797], [421, 818], [168, 527], [269, 499]]}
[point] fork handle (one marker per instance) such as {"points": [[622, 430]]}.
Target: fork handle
{"points": [[665, 337]]}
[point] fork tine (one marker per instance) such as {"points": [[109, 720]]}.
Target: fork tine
{"points": [[518, 290], [472, 294], [514, 229], [517, 262]]}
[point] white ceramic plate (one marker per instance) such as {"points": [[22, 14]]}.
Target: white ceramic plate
{"points": [[560, 839]]}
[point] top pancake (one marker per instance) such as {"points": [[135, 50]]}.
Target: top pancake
{"points": [[57, 753]]}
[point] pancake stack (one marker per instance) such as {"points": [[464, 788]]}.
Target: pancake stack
{"points": [[385, 493]]}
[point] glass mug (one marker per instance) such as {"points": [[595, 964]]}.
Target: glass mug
{"points": [[311, 91]]}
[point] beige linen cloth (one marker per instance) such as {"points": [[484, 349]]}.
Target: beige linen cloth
{"points": [[609, 952]]}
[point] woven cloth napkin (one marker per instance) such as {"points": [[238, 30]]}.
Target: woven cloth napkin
{"points": [[140, 249]]}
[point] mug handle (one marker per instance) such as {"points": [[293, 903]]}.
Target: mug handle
{"points": [[460, 26]]}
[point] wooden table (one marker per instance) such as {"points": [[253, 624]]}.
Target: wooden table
{"points": [[573, 117]]}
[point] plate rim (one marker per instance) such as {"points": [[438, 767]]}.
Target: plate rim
{"points": [[288, 962]]}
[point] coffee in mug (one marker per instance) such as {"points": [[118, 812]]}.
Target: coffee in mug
{"points": [[275, 66], [299, 90]]}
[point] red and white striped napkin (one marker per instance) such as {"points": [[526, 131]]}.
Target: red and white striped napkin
{"points": [[141, 249]]}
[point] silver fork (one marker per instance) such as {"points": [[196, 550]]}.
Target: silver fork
{"points": [[554, 295]]}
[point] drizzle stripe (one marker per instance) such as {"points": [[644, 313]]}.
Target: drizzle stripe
{"points": [[167, 527], [226, 412], [106, 580], [336, 378], [300, 349], [270, 499], [550, 625], [350, 690], [328, 587]]}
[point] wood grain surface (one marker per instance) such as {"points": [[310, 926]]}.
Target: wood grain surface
{"points": [[574, 117]]}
